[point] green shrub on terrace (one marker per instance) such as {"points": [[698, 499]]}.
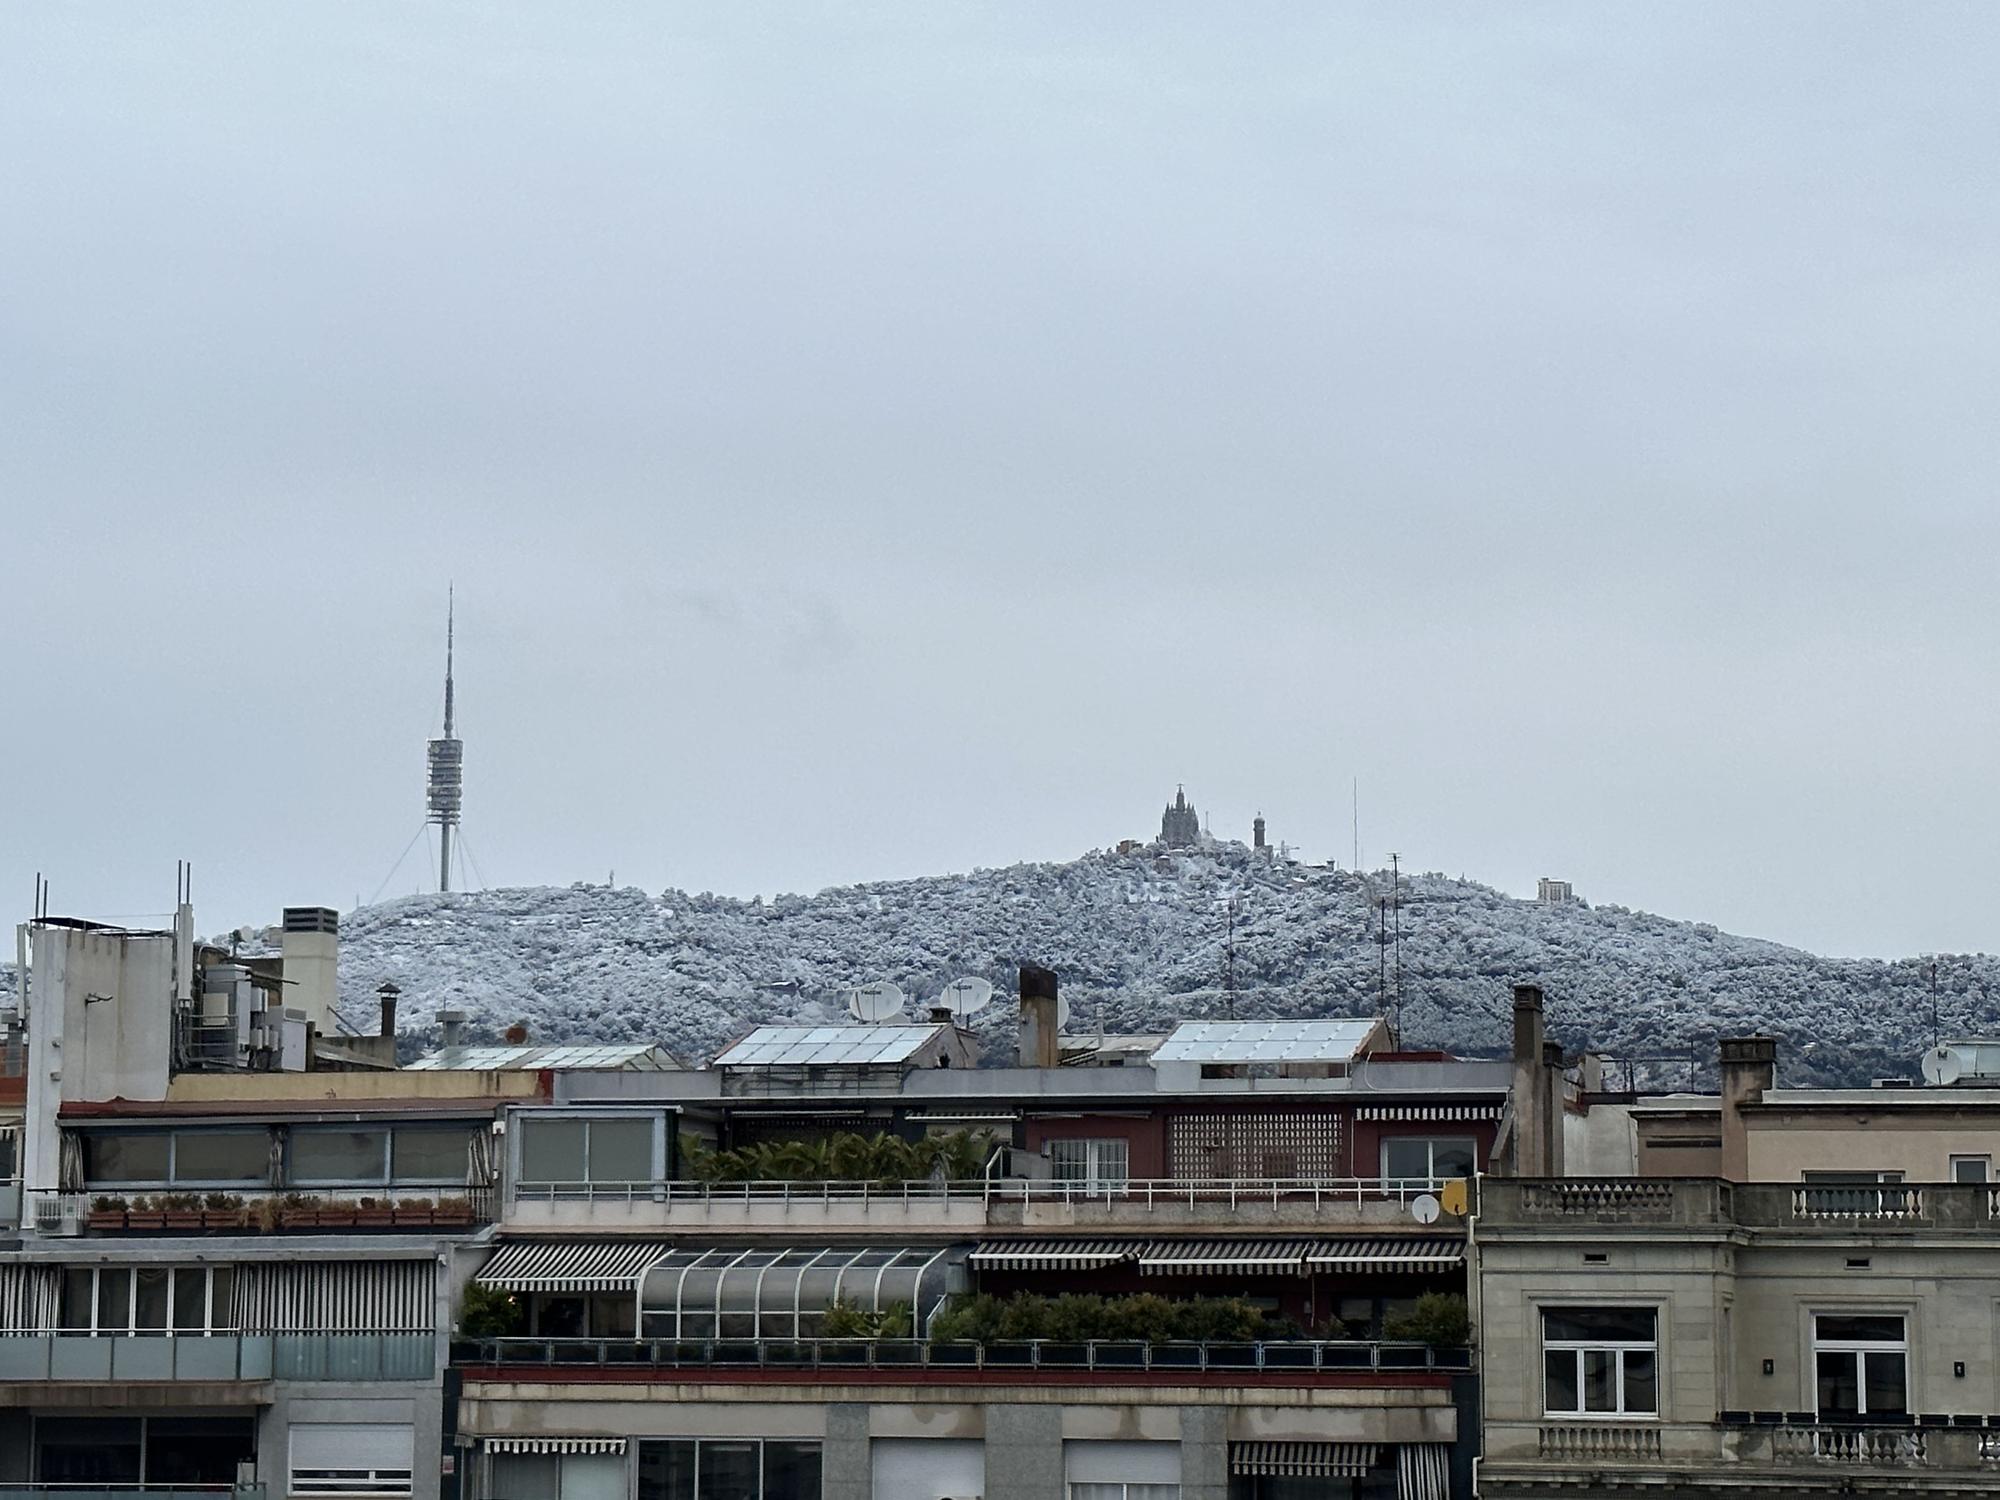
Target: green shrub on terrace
{"points": [[1440, 1319], [1083, 1317], [843, 1157]]}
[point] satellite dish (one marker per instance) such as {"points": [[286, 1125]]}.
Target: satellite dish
{"points": [[1942, 1066], [1062, 1013], [870, 1003], [1425, 1209], [965, 997]]}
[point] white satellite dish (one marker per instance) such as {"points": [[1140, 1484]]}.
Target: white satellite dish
{"points": [[965, 997], [1062, 1013], [1942, 1066], [1424, 1208], [869, 1003]]}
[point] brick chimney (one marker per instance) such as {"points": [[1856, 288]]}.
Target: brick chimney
{"points": [[1749, 1066]]}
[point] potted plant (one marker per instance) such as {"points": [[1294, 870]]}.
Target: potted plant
{"points": [[297, 1211], [222, 1211], [145, 1213], [107, 1212], [415, 1211], [454, 1213], [180, 1210], [373, 1213]]}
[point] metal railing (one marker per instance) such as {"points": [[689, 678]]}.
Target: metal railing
{"points": [[1109, 1356], [403, 1354], [1146, 1191], [101, 1491]]}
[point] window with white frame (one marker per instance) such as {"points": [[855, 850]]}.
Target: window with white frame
{"points": [[1971, 1168], [142, 1300], [1600, 1361], [1100, 1469], [352, 1458], [1098, 1164], [1428, 1159], [1861, 1365]]}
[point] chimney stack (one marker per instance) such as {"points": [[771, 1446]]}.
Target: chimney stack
{"points": [[1532, 1156], [387, 993], [1040, 1047], [1749, 1066], [451, 1028], [310, 944]]}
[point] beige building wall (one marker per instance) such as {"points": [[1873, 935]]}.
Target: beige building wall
{"points": [[1919, 1144]]}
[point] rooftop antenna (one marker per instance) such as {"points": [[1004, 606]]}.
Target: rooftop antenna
{"points": [[1229, 951], [1396, 905], [1934, 1008], [1357, 825], [447, 761]]}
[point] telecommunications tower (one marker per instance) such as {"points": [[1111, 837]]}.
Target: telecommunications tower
{"points": [[447, 761]]}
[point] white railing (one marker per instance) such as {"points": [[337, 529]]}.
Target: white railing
{"points": [[1149, 1192], [1850, 1445], [1600, 1440], [1829, 1201]]}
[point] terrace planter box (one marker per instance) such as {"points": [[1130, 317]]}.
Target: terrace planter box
{"points": [[223, 1218], [374, 1218], [423, 1218], [106, 1218], [145, 1218], [452, 1218], [183, 1218]]}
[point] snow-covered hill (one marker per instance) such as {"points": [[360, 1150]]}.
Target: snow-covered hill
{"points": [[1140, 943]]}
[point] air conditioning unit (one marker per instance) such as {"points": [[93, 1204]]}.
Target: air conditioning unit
{"points": [[60, 1215]]}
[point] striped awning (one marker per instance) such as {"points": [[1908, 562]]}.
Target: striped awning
{"points": [[555, 1444], [1185, 1257], [1304, 1460], [1427, 1112], [1388, 1253], [1054, 1255], [569, 1266]]}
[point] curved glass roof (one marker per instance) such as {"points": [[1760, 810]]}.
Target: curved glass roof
{"points": [[773, 1293]]}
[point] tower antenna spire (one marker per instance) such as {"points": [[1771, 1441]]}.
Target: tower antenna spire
{"points": [[447, 756]]}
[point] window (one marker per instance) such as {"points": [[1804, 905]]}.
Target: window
{"points": [[558, 1476], [728, 1469], [352, 1458], [1109, 1470], [1099, 1165], [1971, 1168], [432, 1154], [1600, 1361], [1861, 1365], [113, 1300], [322, 1155], [197, 1158], [574, 1153], [1428, 1159], [125, 1452]]}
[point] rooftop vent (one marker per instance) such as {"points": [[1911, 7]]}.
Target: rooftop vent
{"points": [[311, 919]]}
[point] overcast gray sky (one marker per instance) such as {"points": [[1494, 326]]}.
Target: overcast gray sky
{"points": [[876, 440]]}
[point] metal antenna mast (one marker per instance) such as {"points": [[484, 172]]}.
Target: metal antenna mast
{"points": [[1396, 905], [447, 760]]}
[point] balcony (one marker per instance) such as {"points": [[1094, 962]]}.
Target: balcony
{"points": [[961, 1207], [840, 1358], [212, 1358], [1703, 1202], [1768, 1453], [131, 1491], [258, 1211]]}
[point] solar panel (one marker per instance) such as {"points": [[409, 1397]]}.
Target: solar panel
{"points": [[826, 1046], [1265, 1041]]}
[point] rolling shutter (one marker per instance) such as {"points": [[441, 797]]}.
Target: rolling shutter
{"points": [[352, 1458]]}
